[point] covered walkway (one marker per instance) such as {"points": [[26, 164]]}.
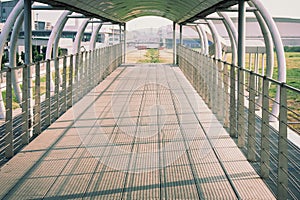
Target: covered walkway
{"points": [[93, 126], [142, 133]]}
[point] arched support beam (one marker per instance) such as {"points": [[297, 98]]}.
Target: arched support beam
{"points": [[200, 38], [3, 38], [232, 33], [95, 36], [216, 38], [205, 44], [55, 34], [268, 43], [279, 51], [79, 36], [276, 39], [12, 55]]}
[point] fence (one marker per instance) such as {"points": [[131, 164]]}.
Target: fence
{"points": [[242, 100], [73, 76]]}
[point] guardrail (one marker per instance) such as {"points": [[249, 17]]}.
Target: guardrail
{"points": [[74, 76], [242, 100]]}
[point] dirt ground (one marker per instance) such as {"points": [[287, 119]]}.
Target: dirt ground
{"points": [[136, 56]]}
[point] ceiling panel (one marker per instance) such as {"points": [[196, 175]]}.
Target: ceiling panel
{"points": [[123, 11]]}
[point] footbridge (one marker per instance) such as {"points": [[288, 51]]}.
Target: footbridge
{"points": [[92, 126]]}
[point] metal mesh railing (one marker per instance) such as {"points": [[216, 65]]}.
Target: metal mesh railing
{"points": [[49, 88], [244, 108]]}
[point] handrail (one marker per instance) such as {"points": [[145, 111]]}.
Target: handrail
{"points": [[71, 84], [265, 143]]}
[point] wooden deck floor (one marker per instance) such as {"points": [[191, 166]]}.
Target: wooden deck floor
{"points": [[143, 133]]}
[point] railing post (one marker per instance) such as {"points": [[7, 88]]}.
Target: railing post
{"points": [[25, 105], [76, 74], [89, 77], [232, 113], [265, 131], [241, 109], [48, 94], [86, 73], [70, 85], [282, 183], [251, 119], [56, 88], [9, 150], [37, 100], [226, 95], [64, 85], [220, 92]]}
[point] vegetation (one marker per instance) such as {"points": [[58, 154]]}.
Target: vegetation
{"points": [[152, 56]]}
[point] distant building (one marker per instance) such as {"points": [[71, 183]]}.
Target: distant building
{"points": [[288, 29], [6, 8], [42, 25]]}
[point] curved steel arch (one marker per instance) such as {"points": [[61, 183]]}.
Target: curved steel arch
{"points": [[216, 38], [12, 55], [279, 51], [56, 33], [95, 36], [205, 44], [79, 36], [201, 38], [232, 33], [3, 38]]}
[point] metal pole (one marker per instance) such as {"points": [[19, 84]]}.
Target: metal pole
{"points": [[251, 119], [125, 45], [174, 43], [48, 94], [37, 105], [180, 35], [70, 85], [265, 132], [283, 146], [241, 64], [9, 150], [28, 56]]}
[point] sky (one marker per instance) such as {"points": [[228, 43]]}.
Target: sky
{"points": [[277, 8]]}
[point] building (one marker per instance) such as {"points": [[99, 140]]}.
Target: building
{"points": [[6, 8]]}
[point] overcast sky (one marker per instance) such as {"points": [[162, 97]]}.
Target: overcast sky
{"points": [[277, 8]]}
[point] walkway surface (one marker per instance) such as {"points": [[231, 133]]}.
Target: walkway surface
{"points": [[143, 133]]}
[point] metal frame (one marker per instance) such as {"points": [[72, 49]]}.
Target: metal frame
{"points": [[12, 56], [94, 36]]}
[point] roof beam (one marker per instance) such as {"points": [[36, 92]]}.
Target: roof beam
{"points": [[221, 5], [76, 9]]}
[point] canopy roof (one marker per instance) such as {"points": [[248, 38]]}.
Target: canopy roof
{"points": [[122, 11]]}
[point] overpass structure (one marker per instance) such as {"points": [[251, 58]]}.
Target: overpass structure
{"points": [[93, 126]]}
